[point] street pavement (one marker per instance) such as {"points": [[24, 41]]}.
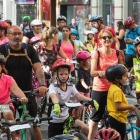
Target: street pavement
{"points": [[44, 125]]}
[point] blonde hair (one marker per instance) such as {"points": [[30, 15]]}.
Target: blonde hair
{"points": [[104, 31], [48, 34]]}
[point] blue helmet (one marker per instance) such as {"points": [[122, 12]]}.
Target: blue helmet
{"points": [[96, 17], [73, 31]]}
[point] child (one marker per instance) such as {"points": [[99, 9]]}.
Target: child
{"points": [[83, 84], [8, 85], [35, 41], [79, 44], [117, 104], [61, 91], [89, 43]]}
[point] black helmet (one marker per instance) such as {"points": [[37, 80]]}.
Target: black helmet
{"points": [[2, 58], [62, 18], [115, 71]]}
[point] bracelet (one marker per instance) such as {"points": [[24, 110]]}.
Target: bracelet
{"points": [[42, 86]]}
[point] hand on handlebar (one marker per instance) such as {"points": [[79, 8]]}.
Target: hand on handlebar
{"points": [[42, 90], [23, 100], [56, 109]]}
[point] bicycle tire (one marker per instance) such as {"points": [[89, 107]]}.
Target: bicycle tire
{"points": [[86, 115], [138, 116], [81, 136]]}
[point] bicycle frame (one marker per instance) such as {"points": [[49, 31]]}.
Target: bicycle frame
{"points": [[131, 129]]}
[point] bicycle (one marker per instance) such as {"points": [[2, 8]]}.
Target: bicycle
{"points": [[69, 127]]}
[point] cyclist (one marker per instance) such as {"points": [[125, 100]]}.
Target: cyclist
{"points": [[61, 21], [79, 44], [61, 91], [117, 104], [3, 32], [9, 22], [132, 33], [36, 26], [21, 59], [25, 26], [97, 22]]}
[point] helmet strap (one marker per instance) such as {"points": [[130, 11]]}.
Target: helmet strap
{"points": [[99, 25], [58, 79]]}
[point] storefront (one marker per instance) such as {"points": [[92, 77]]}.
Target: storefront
{"points": [[78, 9]]}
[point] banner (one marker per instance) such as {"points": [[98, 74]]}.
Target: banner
{"points": [[74, 2], [24, 1]]}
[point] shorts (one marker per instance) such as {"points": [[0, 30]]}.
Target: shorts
{"points": [[31, 106], [55, 129], [101, 98], [138, 95], [86, 95]]}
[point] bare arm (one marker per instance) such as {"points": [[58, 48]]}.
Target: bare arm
{"points": [[95, 46], [54, 98], [121, 34], [25, 40], [116, 42], [75, 49], [120, 107], [84, 84], [93, 70], [82, 97]]}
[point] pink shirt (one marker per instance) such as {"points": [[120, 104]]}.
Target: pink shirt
{"points": [[68, 50], [101, 84], [4, 41], [5, 83]]}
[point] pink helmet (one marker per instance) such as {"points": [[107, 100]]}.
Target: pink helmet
{"points": [[108, 134], [82, 56], [34, 40]]}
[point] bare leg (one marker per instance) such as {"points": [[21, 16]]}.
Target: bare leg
{"points": [[37, 133], [79, 113], [84, 127], [92, 129]]}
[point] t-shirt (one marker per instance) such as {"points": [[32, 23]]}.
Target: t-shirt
{"points": [[63, 97], [4, 40], [83, 74], [79, 44], [115, 94], [136, 65], [101, 84], [60, 35], [5, 83], [133, 35], [26, 28], [96, 39], [29, 35], [20, 68]]}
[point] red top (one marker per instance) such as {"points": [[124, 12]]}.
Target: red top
{"points": [[96, 39]]}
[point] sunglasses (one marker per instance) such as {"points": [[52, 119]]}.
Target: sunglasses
{"points": [[105, 37]]}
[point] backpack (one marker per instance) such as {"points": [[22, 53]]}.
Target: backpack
{"points": [[137, 28], [117, 54], [8, 53], [70, 41]]}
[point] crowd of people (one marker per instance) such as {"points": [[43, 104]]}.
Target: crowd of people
{"points": [[37, 57]]}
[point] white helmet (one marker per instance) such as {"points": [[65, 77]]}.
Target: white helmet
{"points": [[137, 41], [36, 22], [90, 32]]}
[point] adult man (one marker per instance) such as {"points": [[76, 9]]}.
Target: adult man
{"points": [[36, 26], [21, 59], [97, 22], [3, 32], [132, 33], [26, 25], [61, 21], [73, 23]]}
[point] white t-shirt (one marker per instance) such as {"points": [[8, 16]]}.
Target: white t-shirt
{"points": [[63, 96]]}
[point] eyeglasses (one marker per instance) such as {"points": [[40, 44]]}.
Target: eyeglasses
{"points": [[105, 37], [15, 34]]}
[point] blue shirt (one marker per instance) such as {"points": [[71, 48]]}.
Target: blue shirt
{"points": [[60, 35], [133, 35]]}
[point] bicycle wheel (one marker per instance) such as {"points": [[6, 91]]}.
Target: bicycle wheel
{"points": [[138, 116], [86, 115], [81, 136]]}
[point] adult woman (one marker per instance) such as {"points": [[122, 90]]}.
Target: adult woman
{"points": [[121, 34], [101, 60], [67, 45]]}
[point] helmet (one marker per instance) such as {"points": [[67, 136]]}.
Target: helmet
{"points": [[128, 22], [26, 18], [108, 134], [82, 56], [136, 41], [73, 31], [96, 17], [62, 18], [115, 71], [89, 32], [8, 21], [61, 63], [2, 58], [4, 25], [36, 22], [34, 40]]}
